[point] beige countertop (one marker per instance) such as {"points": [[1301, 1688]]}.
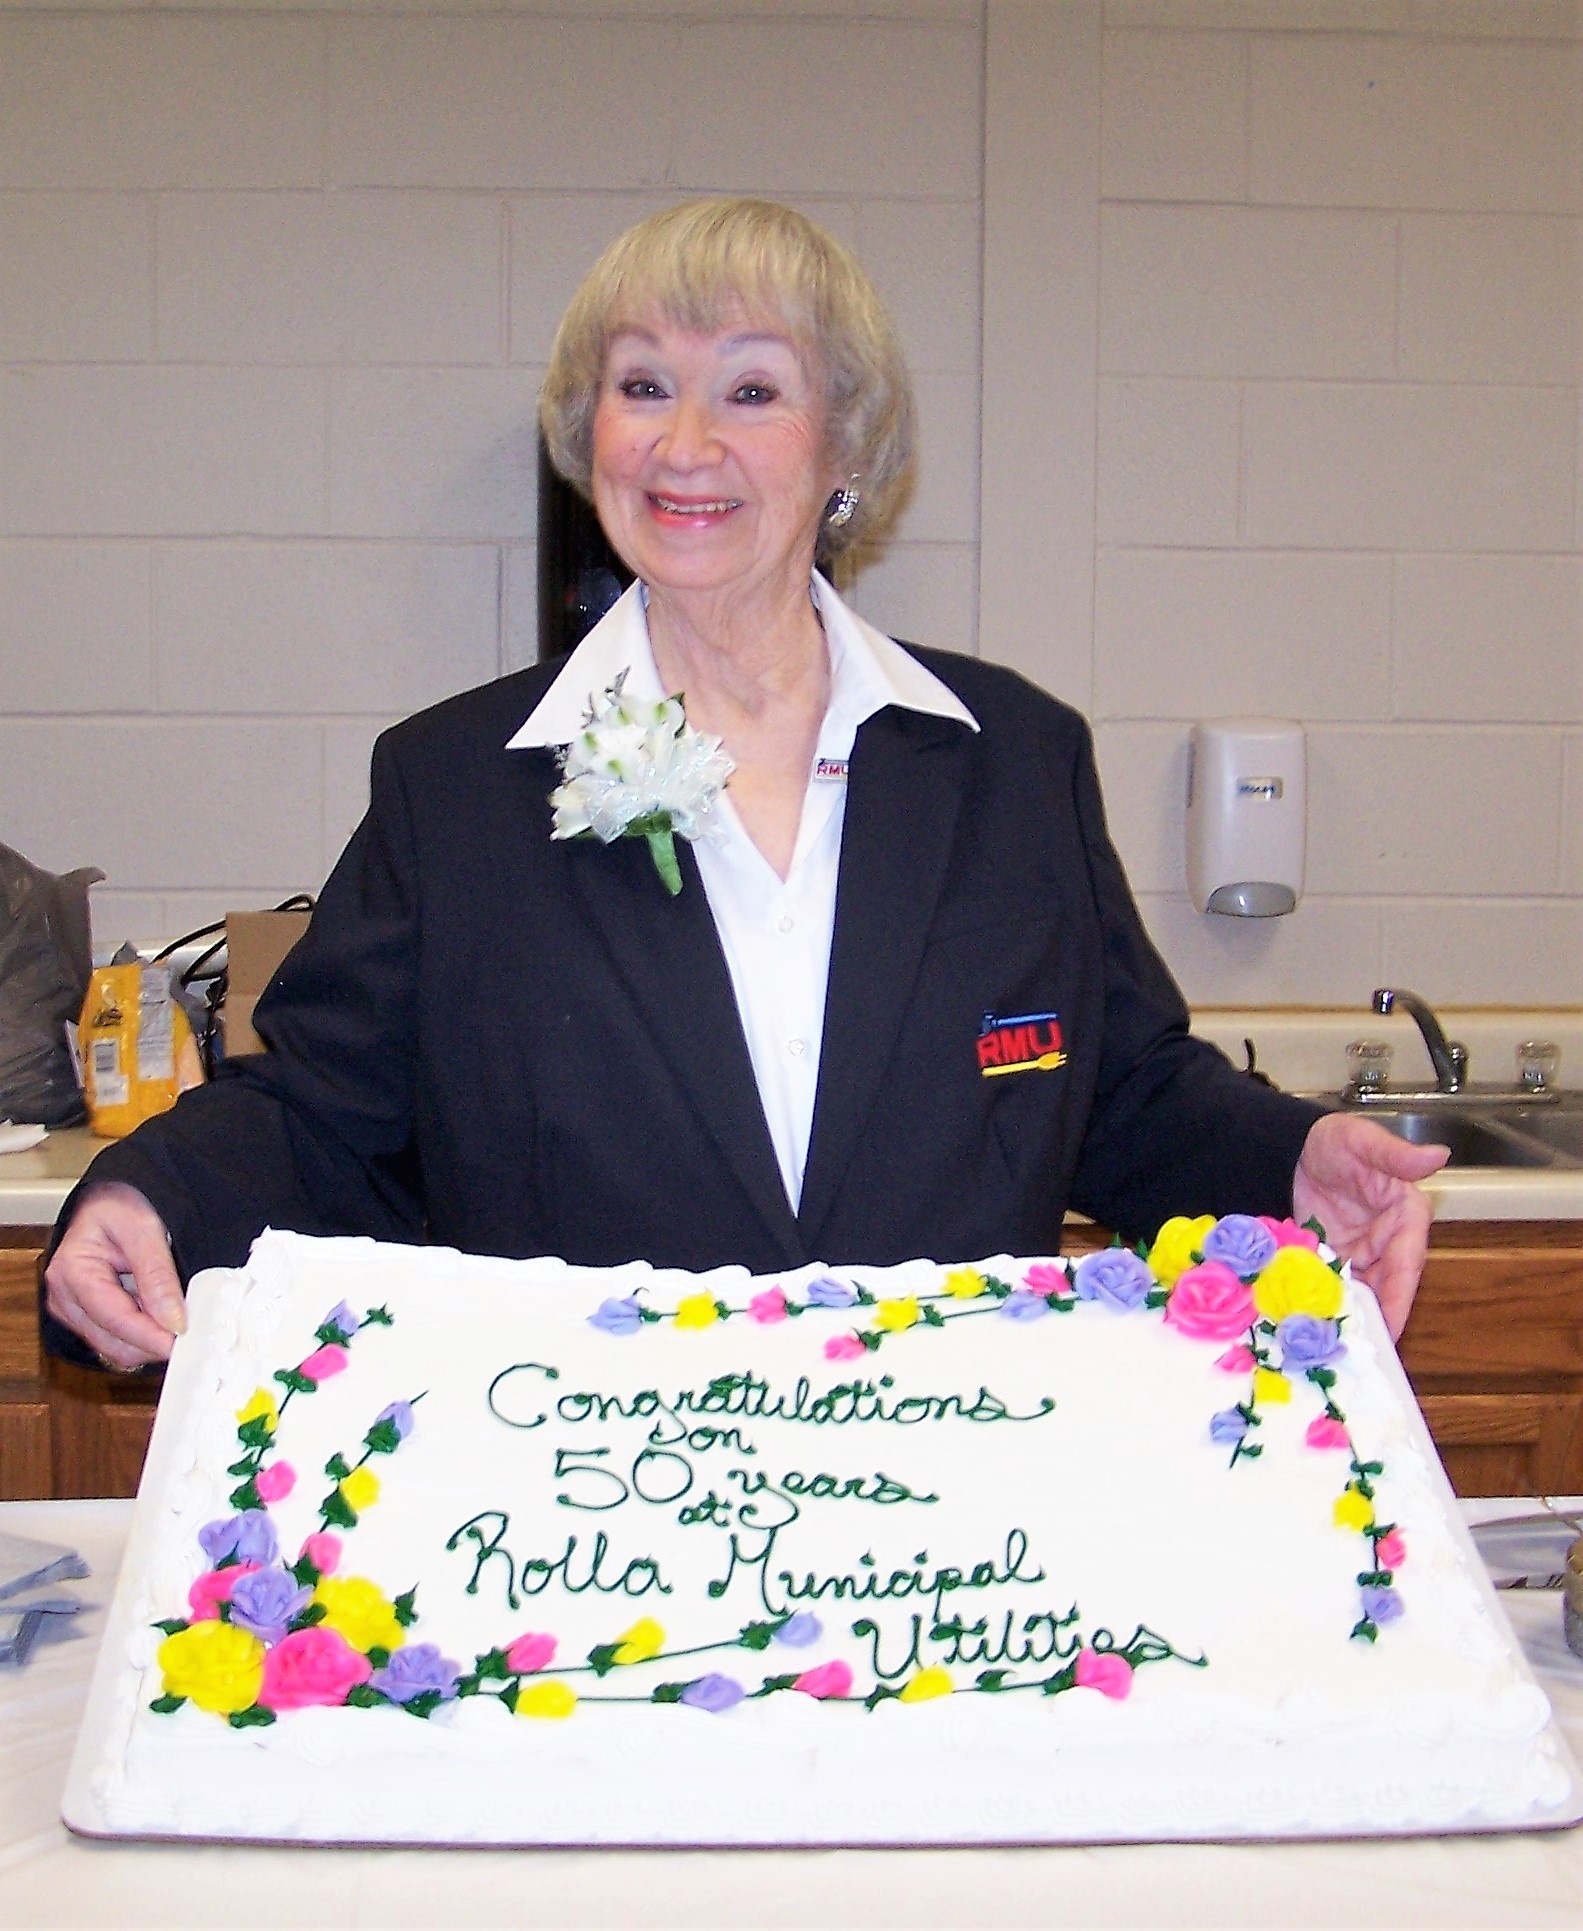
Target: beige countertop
{"points": [[1302, 1048]]}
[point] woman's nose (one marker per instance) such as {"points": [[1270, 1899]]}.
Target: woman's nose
{"points": [[690, 438]]}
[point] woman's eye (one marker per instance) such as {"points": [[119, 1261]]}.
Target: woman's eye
{"points": [[639, 388], [754, 392]]}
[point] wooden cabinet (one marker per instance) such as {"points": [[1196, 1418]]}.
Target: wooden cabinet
{"points": [[63, 1431], [1494, 1349]]}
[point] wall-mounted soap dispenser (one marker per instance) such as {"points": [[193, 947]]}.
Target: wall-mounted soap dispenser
{"points": [[1247, 807]]}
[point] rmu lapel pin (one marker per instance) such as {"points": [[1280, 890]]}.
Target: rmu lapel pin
{"points": [[1028, 1043]]}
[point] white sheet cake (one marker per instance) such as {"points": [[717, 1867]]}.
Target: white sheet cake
{"points": [[516, 1552]]}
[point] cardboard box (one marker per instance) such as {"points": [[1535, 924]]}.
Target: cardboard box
{"points": [[256, 942]]}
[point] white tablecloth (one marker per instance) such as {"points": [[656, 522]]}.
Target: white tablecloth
{"points": [[48, 1877]]}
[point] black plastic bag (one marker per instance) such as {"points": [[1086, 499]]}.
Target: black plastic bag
{"points": [[46, 954]]}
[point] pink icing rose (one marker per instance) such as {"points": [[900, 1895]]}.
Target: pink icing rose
{"points": [[323, 1363], [769, 1306], [529, 1653], [826, 1679], [844, 1347], [1390, 1551], [323, 1551], [1324, 1431], [214, 1587], [1047, 1277], [1105, 1671], [1209, 1303], [276, 1482], [1287, 1233], [1236, 1361], [311, 1666]]}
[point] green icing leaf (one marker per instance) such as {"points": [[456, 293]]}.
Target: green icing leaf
{"points": [[254, 1717], [164, 1705], [667, 1693], [602, 1658]]}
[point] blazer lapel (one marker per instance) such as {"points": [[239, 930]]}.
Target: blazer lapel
{"points": [[667, 954], [903, 797]]}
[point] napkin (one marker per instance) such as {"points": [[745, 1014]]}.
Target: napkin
{"points": [[17, 1139], [32, 1610]]}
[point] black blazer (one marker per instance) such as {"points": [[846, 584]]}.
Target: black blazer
{"points": [[515, 1046]]}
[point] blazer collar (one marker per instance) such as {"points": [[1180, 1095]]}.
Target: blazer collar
{"points": [[904, 796]]}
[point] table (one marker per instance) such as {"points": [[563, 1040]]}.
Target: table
{"points": [[48, 1877]]}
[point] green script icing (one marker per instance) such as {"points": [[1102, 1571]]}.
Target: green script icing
{"points": [[751, 1397], [575, 1570], [780, 1590]]}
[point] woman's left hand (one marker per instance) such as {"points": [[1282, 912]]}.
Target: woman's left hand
{"points": [[1358, 1182]]}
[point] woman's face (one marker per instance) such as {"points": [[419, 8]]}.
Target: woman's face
{"points": [[710, 467]]}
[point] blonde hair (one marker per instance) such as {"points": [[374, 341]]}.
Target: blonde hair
{"points": [[699, 265]]}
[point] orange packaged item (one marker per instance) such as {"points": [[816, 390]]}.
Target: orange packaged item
{"points": [[137, 1047]]}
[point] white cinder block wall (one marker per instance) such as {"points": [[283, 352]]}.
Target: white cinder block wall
{"points": [[1277, 409], [276, 292], [1338, 305]]}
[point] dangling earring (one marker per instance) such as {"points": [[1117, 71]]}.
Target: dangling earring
{"points": [[841, 506]]}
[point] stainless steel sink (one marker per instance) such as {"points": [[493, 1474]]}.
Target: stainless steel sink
{"points": [[1496, 1135]]}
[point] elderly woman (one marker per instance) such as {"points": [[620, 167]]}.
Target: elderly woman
{"points": [[896, 1002]]}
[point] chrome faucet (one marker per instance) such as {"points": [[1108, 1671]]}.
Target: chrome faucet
{"points": [[1448, 1057]]}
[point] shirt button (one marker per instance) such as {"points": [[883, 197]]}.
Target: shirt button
{"points": [[796, 1047], [786, 922]]}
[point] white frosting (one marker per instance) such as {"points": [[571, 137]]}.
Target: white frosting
{"points": [[1115, 1503]]}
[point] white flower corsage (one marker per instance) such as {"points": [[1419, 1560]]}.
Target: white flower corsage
{"points": [[639, 771]]}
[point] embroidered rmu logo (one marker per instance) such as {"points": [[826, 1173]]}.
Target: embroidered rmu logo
{"points": [[1030, 1043]]}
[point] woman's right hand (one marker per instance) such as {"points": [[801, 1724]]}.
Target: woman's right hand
{"points": [[112, 1280]]}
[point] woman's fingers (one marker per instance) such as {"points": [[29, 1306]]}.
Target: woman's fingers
{"points": [[112, 1280]]}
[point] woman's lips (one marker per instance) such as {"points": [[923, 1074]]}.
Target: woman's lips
{"points": [[702, 509]]}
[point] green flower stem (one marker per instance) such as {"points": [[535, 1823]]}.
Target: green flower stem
{"points": [[662, 849]]}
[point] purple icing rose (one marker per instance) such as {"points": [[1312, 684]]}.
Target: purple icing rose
{"points": [[1228, 1427], [1115, 1276], [1020, 1305], [1245, 1245], [342, 1319], [1308, 1342], [826, 1292], [618, 1317], [798, 1631], [1381, 1606], [265, 1601], [714, 1693], [417, 1669], [250, 1537], [399, 1415]]}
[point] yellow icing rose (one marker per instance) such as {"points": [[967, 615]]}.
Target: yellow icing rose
{"points": [[1269, 1386], [1297, 1281], [360, 1489], [1353, 1510], [1175, 1245], [356, 1608], [261, 1402], [890, 1317], [219, 1665], [547, 1699], [697, 1311], [925, 1685], [965, 1283], [644, 1639]]}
